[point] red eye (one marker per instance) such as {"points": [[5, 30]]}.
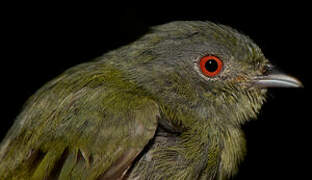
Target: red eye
{"points": [[210, 65]]}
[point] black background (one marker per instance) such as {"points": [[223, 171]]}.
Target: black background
{"points": [[40, 41]]}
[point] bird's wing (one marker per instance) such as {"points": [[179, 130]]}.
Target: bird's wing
{"points": [[90, 133]]}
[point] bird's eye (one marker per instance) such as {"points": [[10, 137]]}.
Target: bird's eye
{"points": [[210, 65]]}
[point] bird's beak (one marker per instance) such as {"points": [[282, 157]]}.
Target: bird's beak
{"points": [[277, 79]]}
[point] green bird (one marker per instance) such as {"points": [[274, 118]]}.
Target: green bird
{"points": [[167, 106]]}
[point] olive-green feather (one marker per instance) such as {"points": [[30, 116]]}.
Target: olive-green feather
{"points": [[78, 125]]}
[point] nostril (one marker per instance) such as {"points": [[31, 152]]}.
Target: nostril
{"points": [[267, 69]]}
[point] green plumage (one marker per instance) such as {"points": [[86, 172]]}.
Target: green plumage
{"points": [[143, 111]]}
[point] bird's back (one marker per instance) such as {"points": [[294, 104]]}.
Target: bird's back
{"points": [[77, 125]]}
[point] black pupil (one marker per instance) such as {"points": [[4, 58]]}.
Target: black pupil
{"points": [[211, 65]]}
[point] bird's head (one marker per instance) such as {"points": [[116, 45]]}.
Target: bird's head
{"points": [[209, 68]]}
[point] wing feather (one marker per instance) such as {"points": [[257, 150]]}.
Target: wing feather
{"points": [[79, 133]]}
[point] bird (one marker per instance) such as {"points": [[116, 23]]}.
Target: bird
{"points": [[169, 105]]}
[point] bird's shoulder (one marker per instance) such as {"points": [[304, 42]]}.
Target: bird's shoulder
{"points": [[88, 122]]}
